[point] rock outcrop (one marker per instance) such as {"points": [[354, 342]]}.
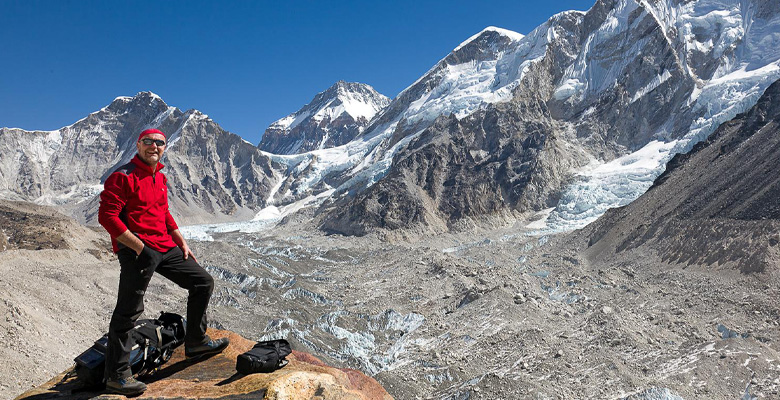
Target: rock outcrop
{"points": [[305, 377]]}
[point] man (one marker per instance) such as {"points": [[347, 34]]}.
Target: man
{"points": [[146, 239]]}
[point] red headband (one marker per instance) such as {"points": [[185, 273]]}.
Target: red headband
{"points": [[149, 132]]}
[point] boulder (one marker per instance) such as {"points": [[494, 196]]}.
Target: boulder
{"points": [[305, 377]]}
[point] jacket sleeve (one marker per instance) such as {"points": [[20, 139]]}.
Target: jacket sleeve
{"points": [[170, 224], [112, 201]]}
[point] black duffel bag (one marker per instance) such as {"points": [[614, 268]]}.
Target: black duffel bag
{"points": [[265, 356], [154, 339]]}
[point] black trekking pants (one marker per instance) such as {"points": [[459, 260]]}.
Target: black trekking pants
{"points": [[136, 271]]}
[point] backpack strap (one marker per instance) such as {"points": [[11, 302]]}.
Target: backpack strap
{"points": [[159, 336]]}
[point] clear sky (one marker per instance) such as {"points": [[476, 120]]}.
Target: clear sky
{"points": [[244, 63]]}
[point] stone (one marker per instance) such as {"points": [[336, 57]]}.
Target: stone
{"points": [[305, 377]]}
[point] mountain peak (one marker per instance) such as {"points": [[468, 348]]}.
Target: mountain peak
{"points": [[334, 117], [141, 99], [491, 31], [147, 96], [343, 88]]}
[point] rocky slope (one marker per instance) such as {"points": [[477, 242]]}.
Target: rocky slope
{"points": [[511, 157], [30, 227], [333, 118], [716, 205], [215, 175]]}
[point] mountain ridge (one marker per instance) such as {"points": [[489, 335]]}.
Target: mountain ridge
{"points": [[612, 108], [42, 166]]}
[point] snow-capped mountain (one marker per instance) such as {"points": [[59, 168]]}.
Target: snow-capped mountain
{"points": [[724, 53], [577, 116], [601, 100], [215, 175], [333, 118]]}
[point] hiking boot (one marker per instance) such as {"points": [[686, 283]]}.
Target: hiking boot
{"points": [[126, 386], [205, 349]]}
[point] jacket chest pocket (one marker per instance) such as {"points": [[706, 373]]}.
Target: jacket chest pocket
{"points": [[150, 193]]}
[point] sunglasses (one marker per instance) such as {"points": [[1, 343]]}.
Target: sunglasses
{"points": [[148, 142]]}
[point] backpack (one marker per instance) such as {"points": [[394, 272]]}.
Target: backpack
{"points": [[155, 340], [264, 357]]}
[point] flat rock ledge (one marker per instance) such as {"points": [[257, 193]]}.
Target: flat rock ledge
{"points": [[305, 377]]}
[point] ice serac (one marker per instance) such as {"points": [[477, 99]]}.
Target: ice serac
{"points": [[333, 118], [606, 98], [213, 174], [716, 205]]}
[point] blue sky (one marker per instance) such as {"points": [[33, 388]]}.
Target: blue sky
{"points": [[245, 64]]}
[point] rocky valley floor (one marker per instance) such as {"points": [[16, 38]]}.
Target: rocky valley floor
{"points": [[495, 315]]}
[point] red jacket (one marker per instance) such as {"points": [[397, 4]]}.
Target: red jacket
{"points": [[136, 198]]}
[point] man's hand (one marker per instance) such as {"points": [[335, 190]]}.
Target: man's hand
{"points": [[179, 240], [128, 239], [186, 250]]}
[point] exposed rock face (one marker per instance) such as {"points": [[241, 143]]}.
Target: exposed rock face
{"points": [[511, 157], [715, 205], [305, 377], [213, 174], [333, 118]]}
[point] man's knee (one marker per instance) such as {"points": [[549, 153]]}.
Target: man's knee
{"points": [[210, 284], [205, 283]]}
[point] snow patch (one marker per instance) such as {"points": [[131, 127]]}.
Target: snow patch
{"points": [[568, 89], [265, 219], [654, 83]]}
